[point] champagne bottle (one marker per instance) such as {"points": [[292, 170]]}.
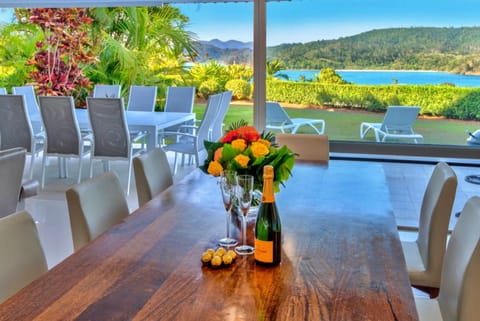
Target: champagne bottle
{"points": [[268, 229]]}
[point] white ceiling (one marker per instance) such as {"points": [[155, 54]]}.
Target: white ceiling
{"points": [[99, 3]]}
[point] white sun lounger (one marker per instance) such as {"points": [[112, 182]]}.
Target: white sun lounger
{"points": [[397, 125], [278, 119]]}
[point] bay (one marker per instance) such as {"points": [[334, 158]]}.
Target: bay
{"points": [[388, 77]]}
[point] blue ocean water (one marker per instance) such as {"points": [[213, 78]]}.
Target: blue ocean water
{"points": [[387, 77]]}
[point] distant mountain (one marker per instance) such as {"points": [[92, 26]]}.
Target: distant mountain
{"points": [[445, 49], [417, 48], [227, 52]]}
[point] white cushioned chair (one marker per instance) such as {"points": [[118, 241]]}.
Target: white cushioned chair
{"points": [[12, 163], [424, 256], [152, 174], [94, 206], [460, 281], [21, 254]]}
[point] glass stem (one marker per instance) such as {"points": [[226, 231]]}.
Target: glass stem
{"points": [[244, 229], [229, 217]]}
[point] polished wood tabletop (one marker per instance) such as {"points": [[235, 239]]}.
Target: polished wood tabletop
{"points": [[341, 259]]}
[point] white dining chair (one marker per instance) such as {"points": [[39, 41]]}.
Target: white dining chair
{"points": [[217, 127], [193, 144], [107, 91], [152, 174], [21, 254], [32, 105], [94, 206], [111, 138], [142, 98], [63, 138], [12, 163], [424, 256], [460, 281], [16, 129]]}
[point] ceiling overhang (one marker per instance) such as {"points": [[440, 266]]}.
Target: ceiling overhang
{"points": [[101, 3]]}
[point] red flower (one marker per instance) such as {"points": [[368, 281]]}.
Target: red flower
{"points": [[249, 133]]}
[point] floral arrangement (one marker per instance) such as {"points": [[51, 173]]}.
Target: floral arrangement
{"points": [[245, 151]]}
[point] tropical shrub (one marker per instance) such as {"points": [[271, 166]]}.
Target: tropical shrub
{"points": [[209, 87], [241, 88]]}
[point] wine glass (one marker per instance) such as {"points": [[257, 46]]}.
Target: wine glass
{"points": [[244, 197], [228, 183]]}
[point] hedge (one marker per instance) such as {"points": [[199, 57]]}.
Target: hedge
{"points": [[434, 100]]}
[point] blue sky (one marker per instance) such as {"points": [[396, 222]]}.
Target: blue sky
{"points": [[309, 20]]}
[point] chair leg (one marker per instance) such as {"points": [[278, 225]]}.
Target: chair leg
{"points": [[129, 175], [79, 176], [90, 174], [32, 159], [175, 163], [42, 180]]}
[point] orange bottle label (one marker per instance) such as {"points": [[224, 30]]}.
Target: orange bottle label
{"points": [[264, 251]]}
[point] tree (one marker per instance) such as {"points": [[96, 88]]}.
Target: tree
{"points": [[329, 76], [273, 67], [63, 53]]}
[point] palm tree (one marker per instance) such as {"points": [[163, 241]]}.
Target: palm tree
{"points": [[138, 45], [273, 67]]}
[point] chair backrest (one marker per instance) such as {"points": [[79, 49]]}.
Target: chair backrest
{"points": [[3, 91], [142, 98], [276, 115], [21, 254], [435, 215], [217, 127], [211, 110], [152, 174], [94, 206], [180, 99], [62, 133], [15, 127], [309, 147], [107, 91], [109, 126], [458, 298], [400, 118], [12, 164], [30, 98]]}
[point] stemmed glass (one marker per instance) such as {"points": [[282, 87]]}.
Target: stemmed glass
{"points": [[228, 183], [244, 197]]}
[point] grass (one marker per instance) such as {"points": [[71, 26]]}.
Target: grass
{"points": [[345, 124]]}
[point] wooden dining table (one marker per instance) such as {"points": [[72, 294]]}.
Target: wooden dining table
{"points": [[341, 258]]}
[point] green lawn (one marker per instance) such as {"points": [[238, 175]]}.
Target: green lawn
{"points": [[345, 125]]}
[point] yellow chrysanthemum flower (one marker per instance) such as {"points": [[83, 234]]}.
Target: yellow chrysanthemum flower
{"points": [[215, 168], [259, 149], [264, 142], [239, 144], [242, 160]]}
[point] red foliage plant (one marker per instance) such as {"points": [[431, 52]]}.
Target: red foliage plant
{"points": [[63, 54]]}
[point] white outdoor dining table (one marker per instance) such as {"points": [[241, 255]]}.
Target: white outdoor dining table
{"points": [[151, 122]]}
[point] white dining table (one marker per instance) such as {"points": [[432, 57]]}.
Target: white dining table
{"points": [[150, 122]]}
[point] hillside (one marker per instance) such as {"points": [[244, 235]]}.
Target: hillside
{"points": [[447, 49], [421, 48]]}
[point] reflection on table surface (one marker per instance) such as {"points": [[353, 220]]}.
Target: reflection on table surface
{"points": [[341, 259]]}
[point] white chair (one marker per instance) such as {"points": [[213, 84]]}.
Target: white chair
{"points": [[32, 105], [178, 100], [278, 119], [460, 281], [424, 256], [63, 138], [217, 128], [152, 174], [12, 162], [94, 206], [397, 124], [308, 147], [107, 91], [16, 129], [21, 254], [142, 98], [191, 144], [112, 140]]}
